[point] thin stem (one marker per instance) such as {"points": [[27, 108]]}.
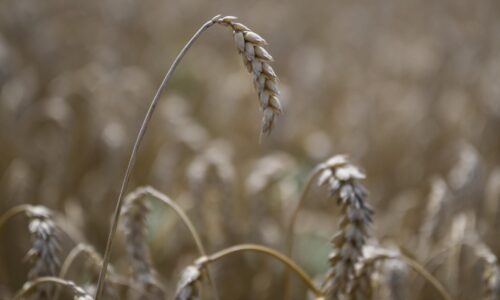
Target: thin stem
{"points": [[135, 149], [290, 236], [13, 212], [48, 279], [68, 262], [428, 276], [70, 258], [262, 249], [83, 248], [150, 191]]}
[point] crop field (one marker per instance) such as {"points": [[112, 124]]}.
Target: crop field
{"points": [[249, 150]]}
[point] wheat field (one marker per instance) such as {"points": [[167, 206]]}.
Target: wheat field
{"points": [[226, 150]]}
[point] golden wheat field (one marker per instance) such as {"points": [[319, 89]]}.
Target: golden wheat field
{"points": [[253, 150]]}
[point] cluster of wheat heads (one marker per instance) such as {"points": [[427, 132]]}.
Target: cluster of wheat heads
{"points": [[353, 262]]}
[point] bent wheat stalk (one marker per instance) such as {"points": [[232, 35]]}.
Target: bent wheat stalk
{"points": [[96, 262], [12, 212], [135, 149], [79, 293], [290, 237], [265, 82], [142, 192], [203, 261]]}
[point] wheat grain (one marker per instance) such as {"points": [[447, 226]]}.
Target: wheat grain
{"points": [[342, 179], [491, 275], [135, 211], [44, 255], [257, 61], [188, 286], [361, 286]]}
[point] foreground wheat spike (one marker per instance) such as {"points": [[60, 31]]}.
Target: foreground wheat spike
{"points": [[44, 255], [188, 286], [342, 179], [135, 211], [257, 61], [269, 101]]}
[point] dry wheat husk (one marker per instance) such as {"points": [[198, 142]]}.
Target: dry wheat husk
{"points": [[135, 210], [342, 179], [45, 252], [257, 61], [188, 286]]}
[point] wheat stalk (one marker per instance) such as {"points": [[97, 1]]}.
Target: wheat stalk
{"points": [[95, 262], [257, 61], [78, 292], [265, 84], [44, 255], [134, 212], [204, 261]]}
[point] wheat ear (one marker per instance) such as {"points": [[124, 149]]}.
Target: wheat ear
{"points": [[257, 61], [271, 110], [44, 255], [342, 179], [142, 192], [134, 212]]}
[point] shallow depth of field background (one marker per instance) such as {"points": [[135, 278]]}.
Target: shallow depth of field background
{"points": [[410, 90]]}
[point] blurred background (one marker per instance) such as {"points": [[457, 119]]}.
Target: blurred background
{"points": [[408, 89]]}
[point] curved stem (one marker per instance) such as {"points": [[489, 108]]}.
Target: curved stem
{"points": [[271, 252], [68, 262], [70, 258], [290, 236], [83, 248], [428, 276], [150, 191], [48, 279], [135, 149], [13, 212]]}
